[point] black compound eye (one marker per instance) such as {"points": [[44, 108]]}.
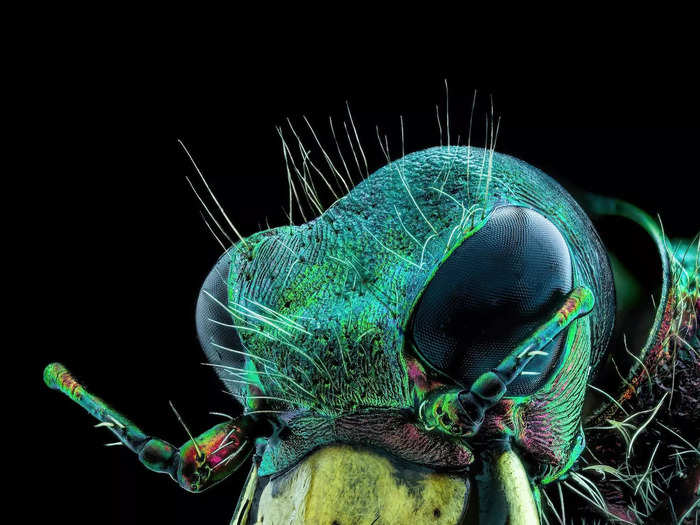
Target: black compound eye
{"points": [[493, 292], [214, 325]]}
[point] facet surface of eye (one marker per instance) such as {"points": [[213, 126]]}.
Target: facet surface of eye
{"points": [[491, 293], [219, 339]]}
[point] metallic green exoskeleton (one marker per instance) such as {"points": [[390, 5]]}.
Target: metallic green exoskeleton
{"points": [[322, 310], [447, 313]]}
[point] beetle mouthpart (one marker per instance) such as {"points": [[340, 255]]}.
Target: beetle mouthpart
{"points": [[513, 482], [345, 484], [348, 484], [245, 500]]}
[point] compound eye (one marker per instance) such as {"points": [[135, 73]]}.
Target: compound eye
{"points": [[214, 325], [491, 293]]}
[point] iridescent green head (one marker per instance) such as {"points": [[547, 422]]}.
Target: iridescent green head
{"points": [[425, 276]]}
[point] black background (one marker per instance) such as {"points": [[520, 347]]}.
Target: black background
{"points": [[116, 250]]}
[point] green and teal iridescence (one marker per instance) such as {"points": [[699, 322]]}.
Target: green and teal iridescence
{"points": [[322, 308]]}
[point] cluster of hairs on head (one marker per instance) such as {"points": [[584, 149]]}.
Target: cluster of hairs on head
{"points": [[317, 178], [337, 169]]}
